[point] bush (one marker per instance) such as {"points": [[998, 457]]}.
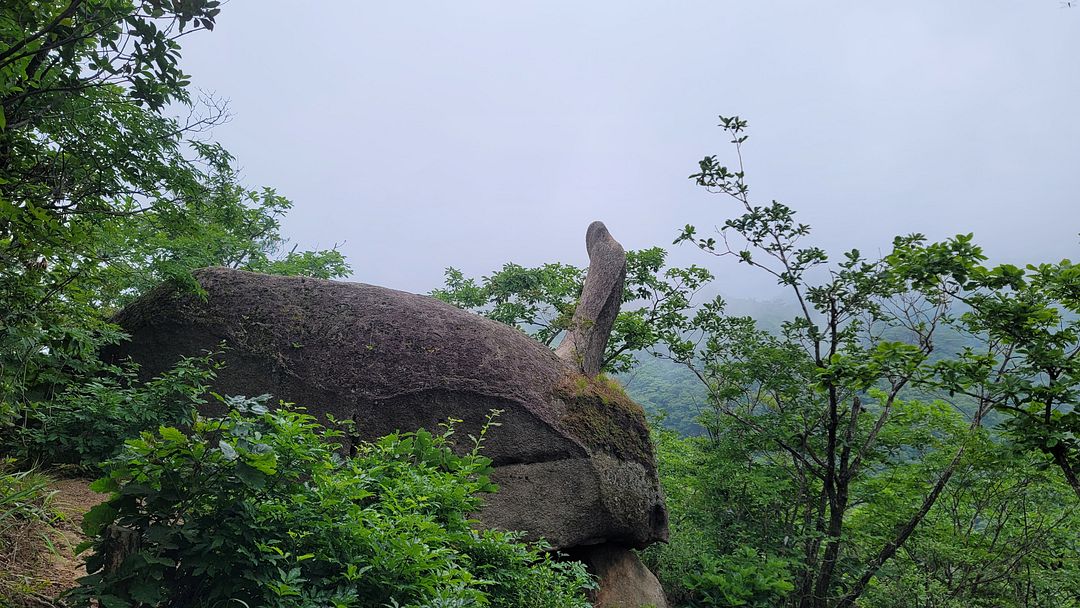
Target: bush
{"points": [[743, 578], [725, 547], [259, 508], [88, 422]]}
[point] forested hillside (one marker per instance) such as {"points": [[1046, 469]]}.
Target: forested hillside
{"points": [[670, 391], [896, 430]]}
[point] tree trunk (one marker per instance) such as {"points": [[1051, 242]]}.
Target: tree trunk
{"points": [[1061, 457]]}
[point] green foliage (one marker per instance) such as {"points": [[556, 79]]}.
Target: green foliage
{"points": [[541, 301], [25, 515], [1027, 323], [1029, 369], [87, 423], [258, 507], [227, 225], [726, 499], [56, 47], [683, 468], [741, 579], [101, 194], [852, 406], [1003, 535], [23, 497], [84, 148], [668, 391]]}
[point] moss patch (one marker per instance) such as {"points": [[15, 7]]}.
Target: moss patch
{"points": [[601, 415]]}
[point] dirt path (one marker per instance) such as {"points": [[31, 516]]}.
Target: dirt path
{"points": [[44, 571], [73, 499]]}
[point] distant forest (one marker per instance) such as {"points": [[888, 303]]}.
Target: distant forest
{"points": [[674, 397]]}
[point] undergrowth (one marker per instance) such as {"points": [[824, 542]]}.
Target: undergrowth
{"points": [[26, 517], [259, 508], [87, 422]]}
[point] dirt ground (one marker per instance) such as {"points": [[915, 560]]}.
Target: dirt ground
{"points": [[33, 569]]}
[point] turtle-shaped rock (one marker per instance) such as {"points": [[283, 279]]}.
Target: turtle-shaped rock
{"points": [[572, 456]]}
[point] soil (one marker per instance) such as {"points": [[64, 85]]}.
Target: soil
{"points": [[35, 572]]}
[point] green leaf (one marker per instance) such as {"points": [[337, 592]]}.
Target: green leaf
{"points": [[104, 485], [172, 434], [112, 601], [227, 450], [250, 475], [146, 592], [97, 518]]}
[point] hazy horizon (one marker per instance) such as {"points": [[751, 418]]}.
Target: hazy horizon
{"points": [[472, 134]]}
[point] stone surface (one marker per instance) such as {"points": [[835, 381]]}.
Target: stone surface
{"points": [[625, 582], [584, 343], [572, 456]]}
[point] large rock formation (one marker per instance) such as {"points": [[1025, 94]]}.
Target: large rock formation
{"points": [[572, 457], [601, 296], [625, 581]]}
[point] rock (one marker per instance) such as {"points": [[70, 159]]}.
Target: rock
{"points": [[625, 582], [584, 343], [572, 456]]}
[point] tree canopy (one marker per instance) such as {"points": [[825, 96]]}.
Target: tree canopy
{"points": [[105, 187]]}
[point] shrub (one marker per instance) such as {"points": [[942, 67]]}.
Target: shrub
{"points": [[259, 508], [88, 422], [743, 578]]}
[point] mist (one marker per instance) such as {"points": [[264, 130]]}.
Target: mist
{"points": [[427, 134]]}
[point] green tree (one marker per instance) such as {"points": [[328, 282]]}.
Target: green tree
{"points": [[102, 193], [1003, 534], [1029, 369], [829, 392], [541, 301]]}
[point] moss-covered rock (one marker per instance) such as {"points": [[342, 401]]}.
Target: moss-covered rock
{"points": [[572, 454]]}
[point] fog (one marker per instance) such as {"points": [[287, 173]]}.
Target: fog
{"points": [[419, 135]]}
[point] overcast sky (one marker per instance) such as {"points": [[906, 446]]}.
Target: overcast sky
{"points": [[428, 134]]}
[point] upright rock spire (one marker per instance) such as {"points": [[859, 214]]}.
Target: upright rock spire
{"points": [[583, 346]]}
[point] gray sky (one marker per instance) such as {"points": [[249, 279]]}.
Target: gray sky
{"points": [[427, 134]]}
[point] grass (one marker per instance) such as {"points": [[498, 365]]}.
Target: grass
{"points": [[26, 533]]}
